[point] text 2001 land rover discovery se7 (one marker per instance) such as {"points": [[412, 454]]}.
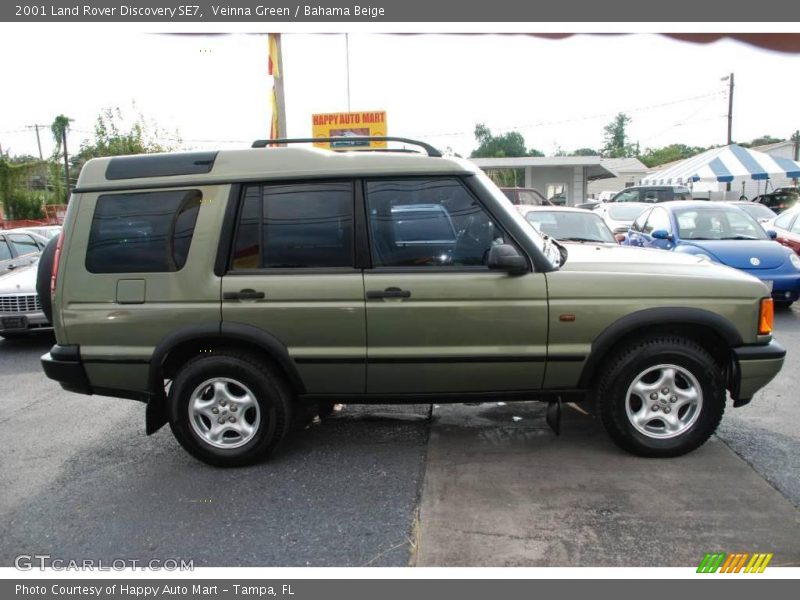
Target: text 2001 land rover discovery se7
{"points": [[230, 290]]}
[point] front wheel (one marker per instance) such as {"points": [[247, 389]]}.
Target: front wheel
{"points": [[229, 409], [661, 397]]}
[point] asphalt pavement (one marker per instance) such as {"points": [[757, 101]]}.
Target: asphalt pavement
{"points": [[392, 486], [80, 479]]}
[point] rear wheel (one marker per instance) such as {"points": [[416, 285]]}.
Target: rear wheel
{"points": [[783, 303], [43, 274], [661, 397], [229, 409]]}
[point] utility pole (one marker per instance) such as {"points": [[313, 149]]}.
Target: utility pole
{"points": [[66, 164], [729, 78], [730, 109], [347, 59], [38, 140]]}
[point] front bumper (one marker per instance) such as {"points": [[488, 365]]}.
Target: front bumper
{"points": [[63, 364], [22, 322], [754, 367]]}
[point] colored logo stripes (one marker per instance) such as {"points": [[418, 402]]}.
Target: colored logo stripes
{"points": [[734, 563]]}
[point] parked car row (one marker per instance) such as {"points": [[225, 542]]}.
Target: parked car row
{"points": [[742, 235], [20, 307]]}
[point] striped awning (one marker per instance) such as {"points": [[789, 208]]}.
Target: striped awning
{"points": [[724, 165]]}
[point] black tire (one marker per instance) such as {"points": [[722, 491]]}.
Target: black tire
{"points": [[626, 366], [783, 304], [325, 409], [272, 395], [43, 275]]}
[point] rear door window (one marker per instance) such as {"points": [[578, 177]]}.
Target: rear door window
{"points": [[5, 251], [23, 244], [142, 232], [295, 226]]}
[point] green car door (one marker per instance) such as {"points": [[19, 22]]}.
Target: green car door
{"points": [[292, 276], [438, 319]]}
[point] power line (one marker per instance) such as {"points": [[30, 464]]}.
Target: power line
{"points": [[585, 117]]}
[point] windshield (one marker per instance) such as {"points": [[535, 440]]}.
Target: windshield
{"points": [[550, 251], [625, 212], [568, 226], [717, 223], [757, 211]]}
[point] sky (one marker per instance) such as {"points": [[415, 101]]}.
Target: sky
{"points": [[559, 94]]}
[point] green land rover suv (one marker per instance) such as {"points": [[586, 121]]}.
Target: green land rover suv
{"points": [[235, 292]]}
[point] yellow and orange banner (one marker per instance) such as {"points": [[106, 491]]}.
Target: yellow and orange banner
{"points": [[370, 123], [274, 70]]}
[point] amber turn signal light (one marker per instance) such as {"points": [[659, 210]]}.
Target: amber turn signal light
{"points": [[766, 316]]}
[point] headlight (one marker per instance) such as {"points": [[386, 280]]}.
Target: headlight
{"points": [[795, 260]]}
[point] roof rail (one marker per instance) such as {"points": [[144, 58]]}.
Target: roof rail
{"points": [[427, 147]]}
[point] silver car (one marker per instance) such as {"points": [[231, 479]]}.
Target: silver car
{"points": [[19, 249], [20, 308]]}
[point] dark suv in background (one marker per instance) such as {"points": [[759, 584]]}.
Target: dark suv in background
{"points": [[653, 193], [779, 200]]}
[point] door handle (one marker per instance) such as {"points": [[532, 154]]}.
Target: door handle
{"points": [[11, 267], [243, 295], [390, 292]]}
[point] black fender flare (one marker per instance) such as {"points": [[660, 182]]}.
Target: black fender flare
{"points": [[648, 317], [226, 331]]}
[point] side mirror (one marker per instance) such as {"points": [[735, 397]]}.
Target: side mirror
{"points": [[506, 258], [661, 234], [772, 234]]}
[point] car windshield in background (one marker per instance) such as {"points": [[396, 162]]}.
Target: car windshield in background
{"points": [[571, 226], [757, 211], [625, 212], [717, 224]]}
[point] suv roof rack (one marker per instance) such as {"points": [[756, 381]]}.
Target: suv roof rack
{"points": [[427, 147]]}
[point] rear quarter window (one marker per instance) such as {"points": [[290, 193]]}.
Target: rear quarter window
{"points": [[144, 232]]}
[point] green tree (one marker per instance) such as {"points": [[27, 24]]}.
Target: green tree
{"points": [[18, 199], [508, 144], [762, 141], [585, 152], [112, 138], [59, 130], [616, 138], [653, 157]]}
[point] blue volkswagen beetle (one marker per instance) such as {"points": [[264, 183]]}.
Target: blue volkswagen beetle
{"points": [[724, 234]]}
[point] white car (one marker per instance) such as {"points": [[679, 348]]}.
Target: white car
{"points": [[46, 232], [20, 308], [605, 196], [620, 215]]}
